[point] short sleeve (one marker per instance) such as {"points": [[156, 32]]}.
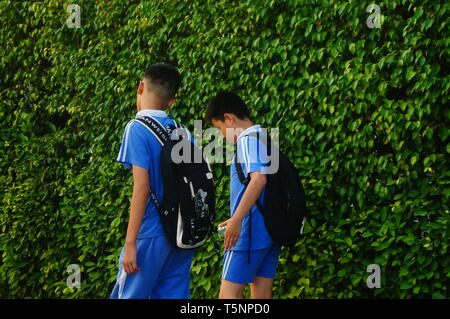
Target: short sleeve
{"points": [[252, 153], [134, 149]]}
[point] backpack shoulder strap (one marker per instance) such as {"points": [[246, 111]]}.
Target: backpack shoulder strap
{"points": [[161, 135], [158, 131]]}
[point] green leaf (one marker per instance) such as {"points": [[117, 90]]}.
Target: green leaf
{"points": [[438, 295], [406, 285]]}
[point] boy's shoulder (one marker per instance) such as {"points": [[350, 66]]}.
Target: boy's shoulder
{"points": [[251, 150], [251, 138], [135, 126]]}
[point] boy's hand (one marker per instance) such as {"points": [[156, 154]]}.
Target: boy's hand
{"points": [[129, 259], [234, 226]]}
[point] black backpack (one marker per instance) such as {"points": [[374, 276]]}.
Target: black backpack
{"points": [[187, 209], [284, 209]]}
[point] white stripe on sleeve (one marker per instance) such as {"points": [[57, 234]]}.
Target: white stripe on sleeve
{"points": [[246, 149], [123, 148]]}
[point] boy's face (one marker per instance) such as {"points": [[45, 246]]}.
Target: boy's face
{"points": [[227, 127]]}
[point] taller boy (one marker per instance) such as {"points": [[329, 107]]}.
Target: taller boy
{"points": [[149, 266], [251, 257]]}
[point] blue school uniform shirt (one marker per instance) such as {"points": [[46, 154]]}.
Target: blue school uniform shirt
{"points": [[252, 154], [139, 147]]}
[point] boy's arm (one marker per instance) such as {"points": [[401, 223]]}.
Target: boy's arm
{"points": [[257, 183], [141, 190]]}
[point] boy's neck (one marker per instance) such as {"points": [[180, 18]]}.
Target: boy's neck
{"points": [[244, 124], [153, 103], [154, 108]]}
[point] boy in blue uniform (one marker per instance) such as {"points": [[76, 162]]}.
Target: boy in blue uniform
{"points": [[251, 257], [149, 266]]}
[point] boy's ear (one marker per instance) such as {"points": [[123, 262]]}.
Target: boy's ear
{"points": [[229, 117], [140, 88]]}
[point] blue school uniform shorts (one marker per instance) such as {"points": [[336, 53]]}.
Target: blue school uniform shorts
{"points": [[164, 272], [263, 263]]}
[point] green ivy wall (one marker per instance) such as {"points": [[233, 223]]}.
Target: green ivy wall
{"points": [[363, 113]]}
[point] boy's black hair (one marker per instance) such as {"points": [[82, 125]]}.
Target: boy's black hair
{"points": [[164, 80], [226, 102]]}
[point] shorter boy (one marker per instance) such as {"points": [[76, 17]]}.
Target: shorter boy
{"points": [[251, 257]]}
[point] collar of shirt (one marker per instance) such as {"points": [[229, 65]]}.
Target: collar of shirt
{"points": [[159, 113], [249, 130]]}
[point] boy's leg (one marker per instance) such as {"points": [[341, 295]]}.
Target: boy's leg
{"points": [[151, 255], [174, 280], [261, 288], [231, 290]]}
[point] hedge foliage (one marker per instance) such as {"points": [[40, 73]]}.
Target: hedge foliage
{"points": [[363, 113]]}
